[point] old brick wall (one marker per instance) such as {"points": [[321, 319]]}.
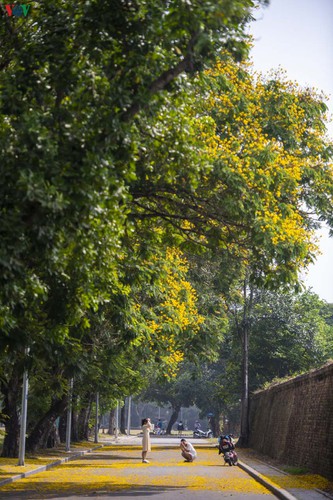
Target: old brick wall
{"points": [[293, 421]]}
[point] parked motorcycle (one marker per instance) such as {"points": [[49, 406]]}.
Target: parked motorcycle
{"points": [[227, 448], [230, 457], [198, 433]]}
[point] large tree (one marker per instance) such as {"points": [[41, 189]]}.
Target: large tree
{"points": [[271, 183], [289, 333], [73, 77]]}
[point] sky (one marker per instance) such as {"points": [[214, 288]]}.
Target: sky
{"points": [[297, 35]]}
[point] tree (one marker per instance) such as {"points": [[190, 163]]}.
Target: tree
{"points": [[268, 180], [178, 392], [285, 333], [289, 333], [146, 328], [272, 165], [292, 332], [73, 78], [72, 150]]}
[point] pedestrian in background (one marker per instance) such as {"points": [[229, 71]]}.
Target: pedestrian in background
{"points": [[159, 426], [146, 427], [180, 428]]}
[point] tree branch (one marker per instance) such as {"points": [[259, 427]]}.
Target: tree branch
{"points": [[186, 64]]}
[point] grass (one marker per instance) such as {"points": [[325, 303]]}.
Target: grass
{"points": [[294, 470]]}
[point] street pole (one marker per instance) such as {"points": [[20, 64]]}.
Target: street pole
{"points": [[24, 410], [116, 433], [96, 418], [69, 417], [129, 415]]}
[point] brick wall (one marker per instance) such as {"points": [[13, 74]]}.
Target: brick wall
{"points": [[293, 421]]}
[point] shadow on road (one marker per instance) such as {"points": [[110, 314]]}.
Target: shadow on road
{"points": [[101, 457], [48, 490]]}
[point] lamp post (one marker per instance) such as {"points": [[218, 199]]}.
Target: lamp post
{"points": [[24, 410], [69, 417], [117, 423], [96, 417], [129, 415]]}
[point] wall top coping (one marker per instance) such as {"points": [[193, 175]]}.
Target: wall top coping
{"points": [[323, 372]]}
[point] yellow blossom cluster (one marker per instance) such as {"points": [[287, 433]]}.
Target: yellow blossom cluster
{"points": [[173, 320], [266, 139]]}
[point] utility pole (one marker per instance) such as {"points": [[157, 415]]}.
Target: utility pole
{"points": [[117, 421], [96, 417], [129, 415], [69, 417], [244, 329], [24, 410]]}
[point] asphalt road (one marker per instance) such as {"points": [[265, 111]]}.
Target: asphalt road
{"points": [[117, 472]]}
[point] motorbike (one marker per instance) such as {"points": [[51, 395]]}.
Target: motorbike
{"points": [[198, 433], [227, 448], [230, 457]]}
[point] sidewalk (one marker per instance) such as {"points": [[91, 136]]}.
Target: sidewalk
{"points": [[48, 458], [44, 460], [282, 484]]}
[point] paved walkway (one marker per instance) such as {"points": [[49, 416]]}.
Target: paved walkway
{"points": [[116, 471]]}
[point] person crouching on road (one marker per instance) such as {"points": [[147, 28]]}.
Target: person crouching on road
{"points": [[188, 451], [146, 427]]}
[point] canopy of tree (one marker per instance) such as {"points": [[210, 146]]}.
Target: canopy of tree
{"points": [[132, 140]]}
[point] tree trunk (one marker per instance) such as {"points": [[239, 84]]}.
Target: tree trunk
{"points": [[173, 418], [83, 421], [123, 420], [112, 422], [62, 428], [214, 424], [54, 438], [39, 436], [12, 394]]}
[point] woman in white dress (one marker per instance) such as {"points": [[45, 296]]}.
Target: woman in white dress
{"points": [[188, 451], [146, 427]]}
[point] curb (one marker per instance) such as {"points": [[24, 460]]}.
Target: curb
{"points": [[48, 466], [321, 492], [279, 492]]}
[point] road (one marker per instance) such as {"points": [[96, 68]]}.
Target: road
{"points": [[118, 472]]}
